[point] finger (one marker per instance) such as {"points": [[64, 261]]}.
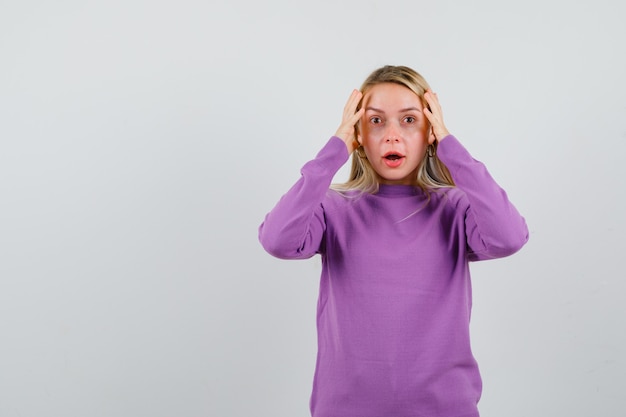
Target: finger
{"points": [[353, 101], [435, 114], [429, 115], [436, 122], [346, 107], [356, 99], [350, 114], [430, 98], [357, 116]]}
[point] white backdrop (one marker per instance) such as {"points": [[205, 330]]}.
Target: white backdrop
{"points": [[142, 143]]}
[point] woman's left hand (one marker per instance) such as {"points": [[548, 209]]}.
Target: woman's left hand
{"points": [[434, 115]]}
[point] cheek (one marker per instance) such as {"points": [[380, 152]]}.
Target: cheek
{"points": [[421, 151], [418, 144]]}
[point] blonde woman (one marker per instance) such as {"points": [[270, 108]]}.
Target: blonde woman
{"points": [[395, 241]]}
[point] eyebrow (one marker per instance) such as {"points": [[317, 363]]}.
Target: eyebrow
{"points": [[374, 109]]}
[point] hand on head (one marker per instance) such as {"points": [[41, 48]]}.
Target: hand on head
{"points": [[347, 130], [434, 115]]}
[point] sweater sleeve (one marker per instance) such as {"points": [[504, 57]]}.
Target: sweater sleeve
{"points": [[494, 227], [294, 228]]}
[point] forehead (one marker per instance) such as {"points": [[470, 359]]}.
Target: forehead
{"points": [[391, 96]]}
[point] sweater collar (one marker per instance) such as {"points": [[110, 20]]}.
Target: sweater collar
{"points": [[385, 190]]}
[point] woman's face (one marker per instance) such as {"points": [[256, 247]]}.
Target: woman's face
{"points": [[394, 132]]}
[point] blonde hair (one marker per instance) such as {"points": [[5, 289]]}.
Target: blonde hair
{"points": [[431, 173]]}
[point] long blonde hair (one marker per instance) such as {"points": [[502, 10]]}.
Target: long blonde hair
{"points": [[431, 173]]}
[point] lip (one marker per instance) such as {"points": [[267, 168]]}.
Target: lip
{"points": [[393, 163], [400, 154]]}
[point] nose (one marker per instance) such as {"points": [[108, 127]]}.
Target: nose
{"points": [[392, 134]]}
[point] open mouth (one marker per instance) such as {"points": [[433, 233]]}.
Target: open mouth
{"points": [[393, 156], [393, 159]]}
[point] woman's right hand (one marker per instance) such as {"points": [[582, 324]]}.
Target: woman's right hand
{"points": [[347, 129]]}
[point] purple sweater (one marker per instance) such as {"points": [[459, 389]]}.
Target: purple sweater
{"points": [[395, 294]]}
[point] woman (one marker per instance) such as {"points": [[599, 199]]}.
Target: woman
{"points": [[396, 241]]}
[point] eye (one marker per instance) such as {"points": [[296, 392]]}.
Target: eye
{"points": [[376, 120], [409, 119]]}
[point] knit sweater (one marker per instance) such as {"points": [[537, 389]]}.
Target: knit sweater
{"points": [[395, 296]]}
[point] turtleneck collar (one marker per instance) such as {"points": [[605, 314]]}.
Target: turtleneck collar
{"points": [[392, 191]]}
